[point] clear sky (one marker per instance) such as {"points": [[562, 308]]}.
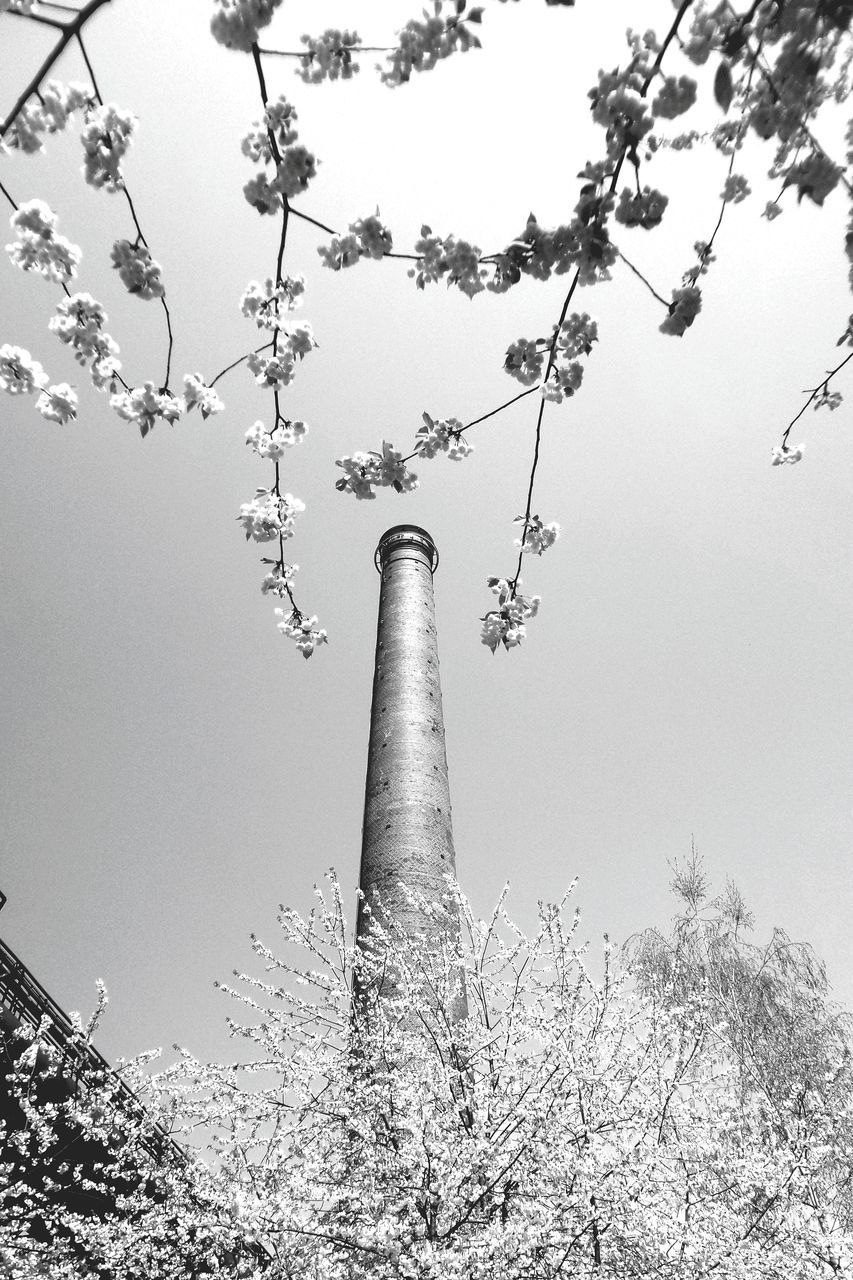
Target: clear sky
{"points": [[172, 769]]}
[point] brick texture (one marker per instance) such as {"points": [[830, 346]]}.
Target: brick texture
{"points": [[407, 834]]}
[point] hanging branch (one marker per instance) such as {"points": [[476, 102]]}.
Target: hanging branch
{"points": [[69, 30]]}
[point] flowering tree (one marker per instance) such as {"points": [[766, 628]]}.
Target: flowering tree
{"points": [[774, 70], [565, 1126]]}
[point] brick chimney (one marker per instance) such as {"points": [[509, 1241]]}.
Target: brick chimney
{"points": [[407, 835]]}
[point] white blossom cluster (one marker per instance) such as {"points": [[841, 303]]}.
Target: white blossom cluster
{"points": [[302, 631], [273, 141], [264, 303], [274, 444], [147, 405], [442, 435], [37, 247], [48, 113], [641, 208], [595, 252], [58, 403], [424, 42], [675, 96], [20, 374], [138, 271], [536, 252], [329, 56], [683, 310], [366, 471], [814, 177], [278, 128], [783, 453], [17, 6], [236, 23], [506, 625], [279, 369], [198, 395], [456, 259], [277, 581], [270, 515], [536, 537], [368, 238], [526, 358], [686, 1115], [736, 189], [618, 106], [79, 323], [106, 137]]}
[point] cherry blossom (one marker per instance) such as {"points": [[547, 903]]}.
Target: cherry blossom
{"points": [[49, 113], [106, 137], [37, 247], [814, 177], [270, 515], [368, 238], [736, 189], [264, 303], [442, 435], [424, 42], [146, 405], [683, 310], [138, 271], [277, 581], [274, 444], [198, 395], [302, 631], [537, 536], [58, 403], [329, 56], [506, 625], [641, 209], [278, 126], [236, 23], [20, 374], [785, 453], [456, 259], [279, 370], [365, 471], [674, 97]]}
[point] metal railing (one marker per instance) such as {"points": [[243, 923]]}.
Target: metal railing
{"points": [[24, 998]]}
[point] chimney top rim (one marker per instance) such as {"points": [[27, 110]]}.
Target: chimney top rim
{"points": [[416, 535]]}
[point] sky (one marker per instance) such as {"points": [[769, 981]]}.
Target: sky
{"points": [[172, 769]]}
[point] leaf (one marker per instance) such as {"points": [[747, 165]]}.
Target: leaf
{"points": [[476, 15], [723, 88]]}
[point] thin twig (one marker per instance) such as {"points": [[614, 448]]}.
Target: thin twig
{"points": [[38, 17], [476, 421], [297, 213], [822, 386], [239, 360], [640, 276], [306, 53], [7, 195], [69, 31], [682, 9]]}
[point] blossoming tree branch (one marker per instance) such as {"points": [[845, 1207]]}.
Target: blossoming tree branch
{"points": [[687, 1115], [772, 68]]}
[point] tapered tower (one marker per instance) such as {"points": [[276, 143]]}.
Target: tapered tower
{"points": [[407, 838]]}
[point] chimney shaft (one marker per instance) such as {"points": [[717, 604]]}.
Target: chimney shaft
{"points": [[407, 835]]}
